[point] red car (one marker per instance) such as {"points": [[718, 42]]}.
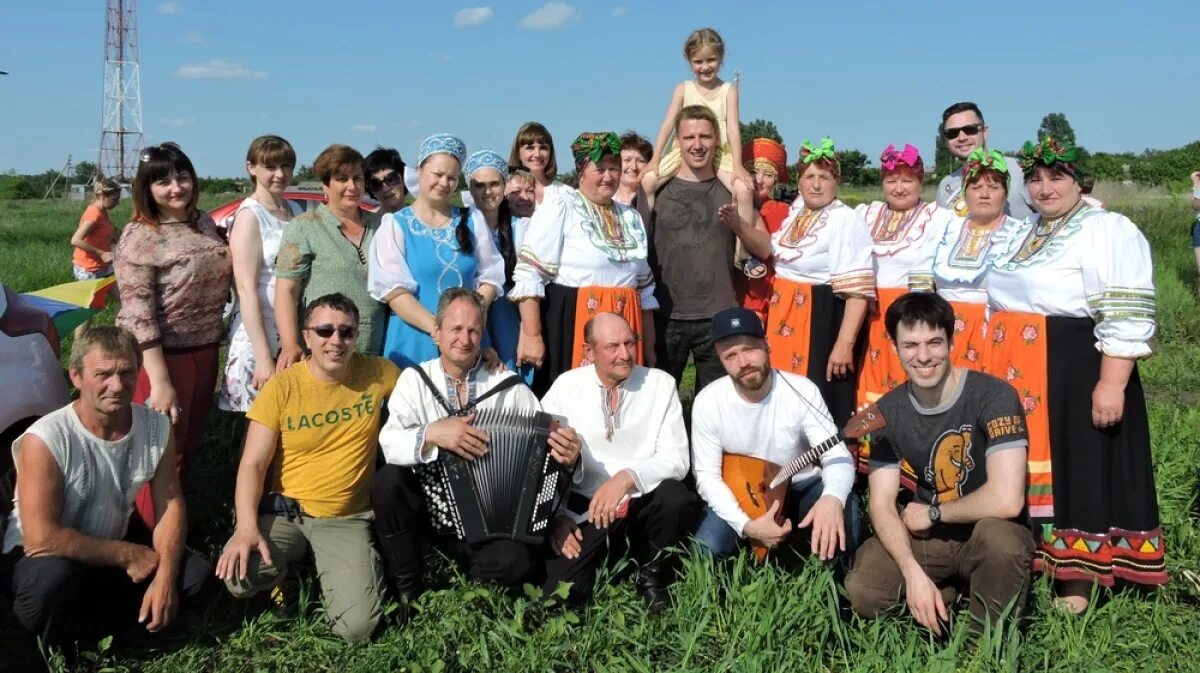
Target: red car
{"points": [[305, 199]]}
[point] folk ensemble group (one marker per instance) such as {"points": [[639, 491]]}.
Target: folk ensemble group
{"points": [[993, 335]]}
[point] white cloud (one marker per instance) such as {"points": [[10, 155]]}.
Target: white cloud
{"points": [[620, 10], [219, 68], [410, 124], [365, 128], [438, 56], [473, 16], [550, 16], [177, 122], [171, 7], [194, 38]]}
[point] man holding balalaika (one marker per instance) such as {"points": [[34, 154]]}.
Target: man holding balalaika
{"points": [[473, 462], [768, 458]]}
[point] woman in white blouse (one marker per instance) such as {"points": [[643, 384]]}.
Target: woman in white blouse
{"points": [[426, 249], [1074, 294], [582, 254], [824, 280], [906, 231], [967, 247]]}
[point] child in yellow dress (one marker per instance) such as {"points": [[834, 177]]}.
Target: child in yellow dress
{"points": [[705, 51]]}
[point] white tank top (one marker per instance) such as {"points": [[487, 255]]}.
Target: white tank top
{"points": [[100, 479]]}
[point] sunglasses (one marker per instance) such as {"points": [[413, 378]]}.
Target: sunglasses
{"points": [[390, 180], [158, 150], [346, 332], [969, 129]]}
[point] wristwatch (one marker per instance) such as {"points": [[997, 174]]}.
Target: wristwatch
{"points": [[935, 513]]}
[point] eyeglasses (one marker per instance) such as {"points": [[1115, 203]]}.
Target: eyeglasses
{"points": [[346, 332], [390, 180], [157, 150], [969, 129]]}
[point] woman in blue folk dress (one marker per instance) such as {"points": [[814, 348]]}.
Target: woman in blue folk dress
{"points": [[426, 249], [487, 178]]}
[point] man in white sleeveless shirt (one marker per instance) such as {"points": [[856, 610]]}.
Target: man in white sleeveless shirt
{"points": [[78, 568]]}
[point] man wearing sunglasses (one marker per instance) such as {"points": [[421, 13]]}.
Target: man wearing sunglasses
{"points": [[323, 413], [964, 130]]}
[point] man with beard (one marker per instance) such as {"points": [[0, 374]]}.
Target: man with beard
{"points": [[629, 490], [964, 130], [774, 416], [315, 425], [692, 252], [960, 435]]}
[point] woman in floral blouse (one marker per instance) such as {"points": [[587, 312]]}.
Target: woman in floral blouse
{"points": [[173, 274]]}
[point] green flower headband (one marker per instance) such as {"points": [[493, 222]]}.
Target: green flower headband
{"points": [[979, 159], [1048, 152], [592, 146], [810, 153]]}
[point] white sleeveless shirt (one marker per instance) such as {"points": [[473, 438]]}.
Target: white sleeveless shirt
{"points": [[100, 479]]}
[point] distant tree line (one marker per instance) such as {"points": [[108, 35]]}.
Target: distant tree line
{"points": [[1148, 168]]}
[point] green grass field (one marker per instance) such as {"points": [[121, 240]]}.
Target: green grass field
{"points": [[727, 617]]}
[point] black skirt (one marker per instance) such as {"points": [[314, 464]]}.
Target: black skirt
{"points": [[1106, 525], [558, 330]]}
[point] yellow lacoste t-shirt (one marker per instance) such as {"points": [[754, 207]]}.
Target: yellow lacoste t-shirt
{"points": [[329, 433]]}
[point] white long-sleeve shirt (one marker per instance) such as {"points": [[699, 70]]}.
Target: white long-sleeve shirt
{"points": [[1094, 265], [829, 246], [412, 407], [787, 422], [648, 437], [564, 244]]}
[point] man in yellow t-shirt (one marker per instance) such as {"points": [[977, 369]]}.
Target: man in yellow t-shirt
{"points": [[323, 414]]}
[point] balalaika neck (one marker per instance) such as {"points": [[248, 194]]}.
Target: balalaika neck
{"points": [[805, 459]]}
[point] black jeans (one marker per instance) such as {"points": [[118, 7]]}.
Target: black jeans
{"points": [[402, 524], [682, 338], [62, 601], [656, 521]]}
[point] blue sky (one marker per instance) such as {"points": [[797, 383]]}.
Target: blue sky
{"points": [[216, 73]]}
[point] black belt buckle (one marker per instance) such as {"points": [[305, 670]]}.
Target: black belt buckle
{"points": [[280, 505]]}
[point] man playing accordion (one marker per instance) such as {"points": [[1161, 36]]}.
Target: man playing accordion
{"points": [[433, 411]]}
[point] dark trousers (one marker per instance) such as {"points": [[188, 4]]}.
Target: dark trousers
{"points": [[656, 521], [402, 526], [62, 601], [681, 338], [990, 559]]}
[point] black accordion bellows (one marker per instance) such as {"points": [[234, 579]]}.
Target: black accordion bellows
{"points": [[509, 493]]}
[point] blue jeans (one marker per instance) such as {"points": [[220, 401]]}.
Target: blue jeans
{"points": [[718, 538]]}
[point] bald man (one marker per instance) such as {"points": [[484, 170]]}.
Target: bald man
{"points": [[629, 490]]}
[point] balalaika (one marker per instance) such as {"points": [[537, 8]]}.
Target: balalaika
{"points": [[509, 493], [757, 483]]}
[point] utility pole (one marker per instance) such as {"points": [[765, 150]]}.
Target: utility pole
{"points": [[121, 138]]}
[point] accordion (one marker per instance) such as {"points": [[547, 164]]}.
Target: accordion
{"points": [[509, 493]]}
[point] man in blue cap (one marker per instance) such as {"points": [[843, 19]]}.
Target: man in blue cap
{"points": [[773, 416]]}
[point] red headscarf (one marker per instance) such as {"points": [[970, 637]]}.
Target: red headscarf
{"points": [[766, 153]]}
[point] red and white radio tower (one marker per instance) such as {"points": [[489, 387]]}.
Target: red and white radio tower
{"points": [[121, 137]]}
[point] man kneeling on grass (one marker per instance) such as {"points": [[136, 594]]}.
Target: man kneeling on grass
{"points": [[78, 565], [963, 435], [431, 415], [323, 414]]}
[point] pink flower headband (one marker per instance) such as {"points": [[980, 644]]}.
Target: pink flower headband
{"points": [[910, 157]]}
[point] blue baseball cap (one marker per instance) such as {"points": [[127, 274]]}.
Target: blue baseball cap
{"points": [[735, 321]]}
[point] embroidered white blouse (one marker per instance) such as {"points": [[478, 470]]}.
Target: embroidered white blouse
{"points": [[566, 243], [903, 241], [1094, 264], [830, 246], [958, 268]]}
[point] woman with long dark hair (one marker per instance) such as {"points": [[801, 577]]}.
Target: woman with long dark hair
{"points": [[426, 249]]}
